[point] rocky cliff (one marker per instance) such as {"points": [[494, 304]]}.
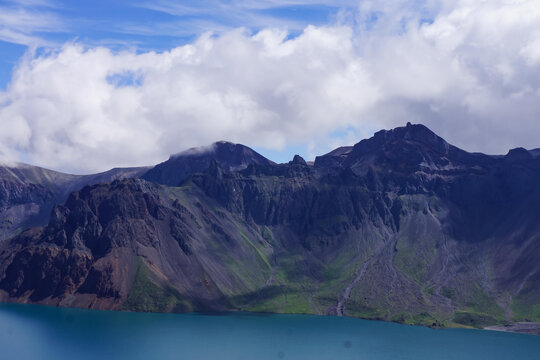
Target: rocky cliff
{"points": [[29, 193], [402, 227]]}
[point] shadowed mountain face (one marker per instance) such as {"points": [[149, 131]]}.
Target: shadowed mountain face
{"points": [[28, 193], [231, 157], [402, 227]]}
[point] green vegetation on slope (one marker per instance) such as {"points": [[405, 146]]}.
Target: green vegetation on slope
{"points": [[525, 309], [474, 319], [145, 295]]}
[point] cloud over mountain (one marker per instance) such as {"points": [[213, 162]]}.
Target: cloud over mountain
{"points": [[469, 72]]}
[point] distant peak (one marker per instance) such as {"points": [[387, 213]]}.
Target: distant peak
{"points": [[409, 133], [221, 145], [518, 154], [412, 131], [298, 160], [227, 155]]}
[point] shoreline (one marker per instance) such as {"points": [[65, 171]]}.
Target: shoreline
{"points": [[529, 328]]}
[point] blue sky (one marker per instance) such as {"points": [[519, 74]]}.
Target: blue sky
{"points": [[150, 26], [89, 85], [144, 25]]}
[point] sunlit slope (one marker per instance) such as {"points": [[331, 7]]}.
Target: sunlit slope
{"points": [[401, 227]]}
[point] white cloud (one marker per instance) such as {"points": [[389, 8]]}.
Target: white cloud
{"points": [[471, 75], [261, 90], [531, 51], [22, 23], [196, 16]]}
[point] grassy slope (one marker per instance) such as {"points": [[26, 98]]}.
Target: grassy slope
{"points": [[418, 255], [148, 295]]}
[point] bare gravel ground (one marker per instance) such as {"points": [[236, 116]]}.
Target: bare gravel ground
{"points": [[521, 327]]}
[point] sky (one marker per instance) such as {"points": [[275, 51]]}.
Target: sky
{"points": [[90, 85]]}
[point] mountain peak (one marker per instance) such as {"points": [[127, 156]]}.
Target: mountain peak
{"points": [[410, 133], [416, 135], [229, 156], [519, 154], [409, 148], [217, 146], [298, 160], [392, 140]]}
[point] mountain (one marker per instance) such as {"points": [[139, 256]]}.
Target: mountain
{"points": [[402, 226], [535, 152], [231, 157], [28, 193]]}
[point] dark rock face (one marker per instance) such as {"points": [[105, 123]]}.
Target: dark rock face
{"points": [[519, 154], [298, 160], [402, 227], [535, 152], [334, 158], [90, 252], [21, 205], [229, 156], [29, 193]]}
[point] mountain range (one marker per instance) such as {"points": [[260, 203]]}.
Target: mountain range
{"points": [[401, 227]]}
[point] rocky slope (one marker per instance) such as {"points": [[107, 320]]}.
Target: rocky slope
{"points": [[402, 227], [28, 193]]}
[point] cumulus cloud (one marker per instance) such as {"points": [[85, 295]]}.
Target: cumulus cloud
{"points": [[470, 73]]}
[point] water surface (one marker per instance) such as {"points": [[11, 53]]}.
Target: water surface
{"points": [[39, 332]]}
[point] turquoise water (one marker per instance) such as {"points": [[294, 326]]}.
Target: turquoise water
{"points": [[38, 332]]}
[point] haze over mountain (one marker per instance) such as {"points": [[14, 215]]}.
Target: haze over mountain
{"points": [[231, 157], [402, 226]]}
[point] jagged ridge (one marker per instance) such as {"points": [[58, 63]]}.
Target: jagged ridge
{"points": [[402, 227]]}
